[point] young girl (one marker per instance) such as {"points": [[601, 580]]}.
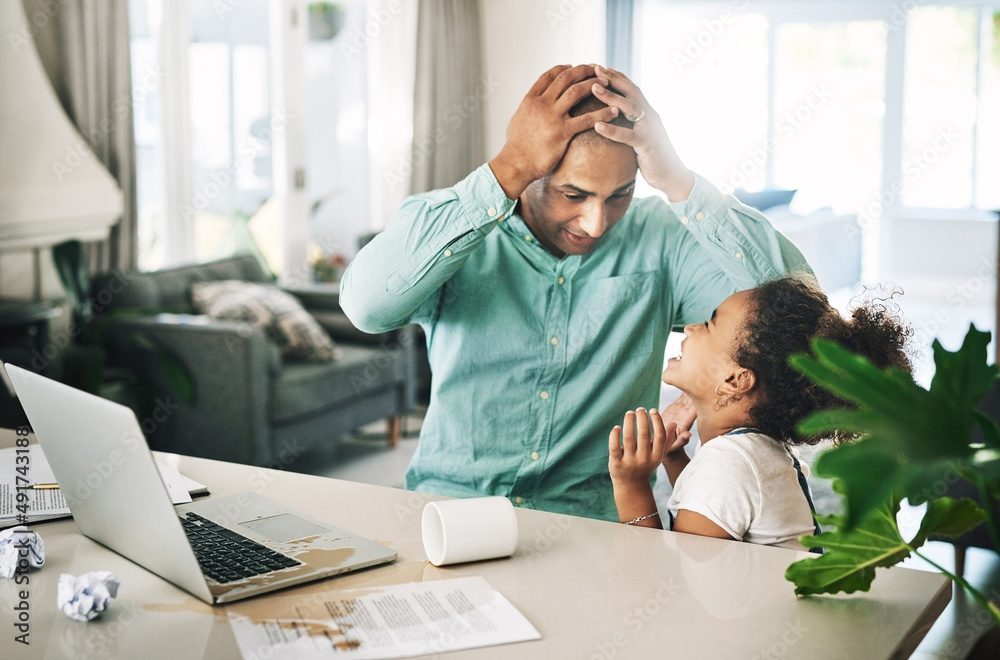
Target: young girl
{"points": [[745, 482]]}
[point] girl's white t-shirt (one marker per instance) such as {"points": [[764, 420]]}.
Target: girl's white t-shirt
{"points": [[746, 484]]}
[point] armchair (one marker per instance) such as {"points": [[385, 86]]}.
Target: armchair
{"points": [[251, 406]]}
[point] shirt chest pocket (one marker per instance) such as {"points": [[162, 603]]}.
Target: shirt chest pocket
{"points": [[614, 319]]}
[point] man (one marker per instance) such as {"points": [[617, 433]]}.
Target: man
{"points": [[547, 296]]}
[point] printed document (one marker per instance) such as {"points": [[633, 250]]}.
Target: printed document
{"points": [[395, 621]]}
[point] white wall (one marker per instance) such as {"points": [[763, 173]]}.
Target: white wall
{"points": [[523, 38]]}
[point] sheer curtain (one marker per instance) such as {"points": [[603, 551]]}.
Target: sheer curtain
{"points": [[84, 46], [449, 96]]}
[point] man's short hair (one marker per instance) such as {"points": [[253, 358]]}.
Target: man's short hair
{"points": [[591, 103]]}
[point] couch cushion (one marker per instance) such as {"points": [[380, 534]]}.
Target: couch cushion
{"points": [[265, 306], [304, 389], [168, 290]]}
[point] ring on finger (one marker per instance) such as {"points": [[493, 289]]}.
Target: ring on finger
{"points": [[635, 119]]}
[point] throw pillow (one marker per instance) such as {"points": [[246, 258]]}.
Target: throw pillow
{"points": [[280, 315]]}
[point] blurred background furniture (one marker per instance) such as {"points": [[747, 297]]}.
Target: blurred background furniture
{"points": [[24, 341], [250, 406], [829, 241]]}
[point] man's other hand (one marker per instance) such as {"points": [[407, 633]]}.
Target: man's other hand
{"points": [[659, 163], [541, 128]]}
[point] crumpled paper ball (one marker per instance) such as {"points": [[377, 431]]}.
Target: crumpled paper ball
{"points": [[84, 597], [20, 544]]}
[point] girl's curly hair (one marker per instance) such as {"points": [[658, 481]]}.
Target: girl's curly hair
{"points": [[785, 315]]}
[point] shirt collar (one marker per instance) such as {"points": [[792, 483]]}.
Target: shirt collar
{"points": [[529, 246]]}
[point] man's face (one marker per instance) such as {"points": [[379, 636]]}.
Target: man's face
{"points": [[584, 197]]}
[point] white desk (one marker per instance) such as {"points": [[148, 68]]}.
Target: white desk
{"points": [[592, 589]]}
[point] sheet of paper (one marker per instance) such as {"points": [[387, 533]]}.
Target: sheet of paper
{"points": [[50, 503], [47, 503], [41, 504], [395, 621], [174, 482]]}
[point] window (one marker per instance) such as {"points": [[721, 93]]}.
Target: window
{"points": [[939, 107], [210, 176], [694, 69], [829, 88], [790, 95]]}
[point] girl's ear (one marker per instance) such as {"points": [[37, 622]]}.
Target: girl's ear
{"points": [[741, 381]]}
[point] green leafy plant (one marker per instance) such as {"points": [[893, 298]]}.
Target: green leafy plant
{"points": [[84, 362], [912, 440]]}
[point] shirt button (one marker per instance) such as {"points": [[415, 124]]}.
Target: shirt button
{"points": [[527, 238], [554, 341], [447, 253], [518, 500], [699, 215], [561, 279], [491, 211], [534, 455], [739, 255], [684, 219], [544, 395]]}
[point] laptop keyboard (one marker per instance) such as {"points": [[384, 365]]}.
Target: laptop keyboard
{"points": [[226, 556]]}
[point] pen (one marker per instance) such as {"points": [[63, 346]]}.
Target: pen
{"points": [[44, 486]]}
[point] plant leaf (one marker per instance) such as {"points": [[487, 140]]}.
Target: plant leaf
{"points": [[964, 375], [950, 518], [852, 554], [914, 439]]}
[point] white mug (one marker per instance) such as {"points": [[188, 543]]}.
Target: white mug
{"points": [[457, 531]]}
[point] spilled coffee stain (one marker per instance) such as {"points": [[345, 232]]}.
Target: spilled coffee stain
{"points": [[290, 617], [309, 628], [330, 559]]}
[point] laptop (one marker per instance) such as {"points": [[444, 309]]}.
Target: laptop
{"points": [[220, 549]]}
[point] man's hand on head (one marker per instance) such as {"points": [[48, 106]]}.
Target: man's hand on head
{"points": [[541, 128], [659, 163]]}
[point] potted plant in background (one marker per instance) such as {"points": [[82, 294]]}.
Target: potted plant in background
{"points": [[325, 20], [913, 441], [85, 361]]}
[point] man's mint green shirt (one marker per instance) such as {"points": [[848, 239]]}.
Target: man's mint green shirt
{"points": [[535, 358]]}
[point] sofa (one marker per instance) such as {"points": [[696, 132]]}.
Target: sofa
{"points": [[249, 405]]}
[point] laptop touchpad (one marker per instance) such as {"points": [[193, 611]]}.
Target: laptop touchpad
{"points": [[284, 527]]}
